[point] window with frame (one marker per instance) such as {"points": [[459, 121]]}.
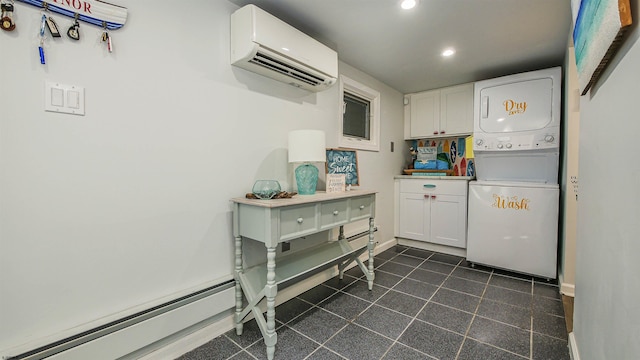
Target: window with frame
{"points": [[360, 116]]}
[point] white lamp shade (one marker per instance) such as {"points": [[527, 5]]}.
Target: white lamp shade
{"points": [[307, 146]]}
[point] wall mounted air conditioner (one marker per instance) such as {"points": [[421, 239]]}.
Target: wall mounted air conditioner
{"points": [[268, 46]]}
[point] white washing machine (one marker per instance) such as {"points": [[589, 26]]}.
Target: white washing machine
{"points": [[513, 207], [514, 226]]}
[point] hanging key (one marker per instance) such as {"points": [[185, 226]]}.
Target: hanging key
{"points": [[41, 47], [43, 23], [41, 51], [73, 31], [53, 27], [106, 38], [7, 23]]}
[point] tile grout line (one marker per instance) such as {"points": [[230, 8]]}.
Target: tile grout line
{"points": [[475, 313], [531, 340], [410, 322], [531, 322], [414, 318], [349, 322], [352, 322], [304, 312], [395, 341]]}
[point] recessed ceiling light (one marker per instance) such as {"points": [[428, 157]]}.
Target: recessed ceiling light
{"points": [[408, 4], [448, 52]]}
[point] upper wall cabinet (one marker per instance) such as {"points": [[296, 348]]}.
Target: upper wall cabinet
{"points": [[439, 113]]}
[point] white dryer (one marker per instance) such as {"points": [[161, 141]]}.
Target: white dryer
{"points": [[517, 127]]}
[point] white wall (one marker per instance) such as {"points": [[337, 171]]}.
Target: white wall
{"points": [[130, 203], [607, 311]]}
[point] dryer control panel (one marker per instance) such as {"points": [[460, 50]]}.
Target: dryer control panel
{"points": [[539, 140]]}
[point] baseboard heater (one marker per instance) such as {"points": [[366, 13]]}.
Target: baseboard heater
{"points": [[181, 312], [201, 304]]}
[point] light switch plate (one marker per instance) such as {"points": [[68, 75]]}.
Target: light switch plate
{"points": [[57, 97], [63, 98]]}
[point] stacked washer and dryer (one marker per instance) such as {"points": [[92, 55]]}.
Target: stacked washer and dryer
{"points": [[513, 204]]}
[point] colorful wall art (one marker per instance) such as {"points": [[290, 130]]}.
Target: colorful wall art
{"points": [[454, 151], [599, 26]]}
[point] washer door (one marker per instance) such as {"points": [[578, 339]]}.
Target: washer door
{"points": [[514, 227]]}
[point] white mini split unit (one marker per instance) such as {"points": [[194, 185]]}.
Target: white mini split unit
{"points": [[268, 46]]}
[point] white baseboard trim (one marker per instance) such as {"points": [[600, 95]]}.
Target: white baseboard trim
{"points": [[380, 247], [433, 247], [192, 341], [200, 337], [566, 288], [130, 339], [573, 347]]}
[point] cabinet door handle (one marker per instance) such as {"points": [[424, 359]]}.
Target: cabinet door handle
{"points": [[300, 220], [335, 212], [429, 186], [426, 196], [361, 207], [433, 196], [435, 133], [442, 132]]}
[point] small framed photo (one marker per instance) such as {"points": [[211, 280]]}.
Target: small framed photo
{"points": [[341, 161], [336, 183]]}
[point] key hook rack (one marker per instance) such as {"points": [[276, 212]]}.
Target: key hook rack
{"points": [[95, 12]]}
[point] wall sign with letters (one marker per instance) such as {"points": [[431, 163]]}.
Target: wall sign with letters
{"points": [[96, 12], [345, 162], [336, 183]]}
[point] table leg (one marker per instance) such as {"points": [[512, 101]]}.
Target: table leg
{"points": [[341, 268], [270, 292], [371, 246], [238, 268]]}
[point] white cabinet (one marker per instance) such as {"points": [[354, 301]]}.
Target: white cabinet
{"points": [[439, 113], [413, 209], [456, 110], [424, 114], [434, 211]]}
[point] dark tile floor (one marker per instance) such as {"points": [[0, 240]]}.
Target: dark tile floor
{"points": [[424, 305]]}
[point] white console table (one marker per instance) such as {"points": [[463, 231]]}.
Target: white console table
{"points": [[274, 221]]}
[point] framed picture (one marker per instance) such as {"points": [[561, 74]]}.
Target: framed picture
{"points": [[336, 183], [599, 26], [340, 161]]}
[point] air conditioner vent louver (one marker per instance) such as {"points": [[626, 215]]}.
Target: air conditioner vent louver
{"points": [[268, 46], [286, 69]]}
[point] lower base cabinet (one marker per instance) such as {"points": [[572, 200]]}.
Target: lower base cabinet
{"points": [[433, 211]]}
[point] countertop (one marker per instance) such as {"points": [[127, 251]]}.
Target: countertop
{"points": [[467, 178]]}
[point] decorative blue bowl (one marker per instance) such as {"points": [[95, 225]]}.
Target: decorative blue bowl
{"points": [[266, 189]]}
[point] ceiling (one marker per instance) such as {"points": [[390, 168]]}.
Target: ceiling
{"points": [[402, 47]]}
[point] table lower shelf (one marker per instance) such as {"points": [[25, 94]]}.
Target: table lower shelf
{"points": [[254, 279]]}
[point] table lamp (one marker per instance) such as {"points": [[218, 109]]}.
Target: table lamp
{"points": [[307, 146]]}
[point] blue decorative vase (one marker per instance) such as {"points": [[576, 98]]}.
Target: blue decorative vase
{"points": [[307, 179]]}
